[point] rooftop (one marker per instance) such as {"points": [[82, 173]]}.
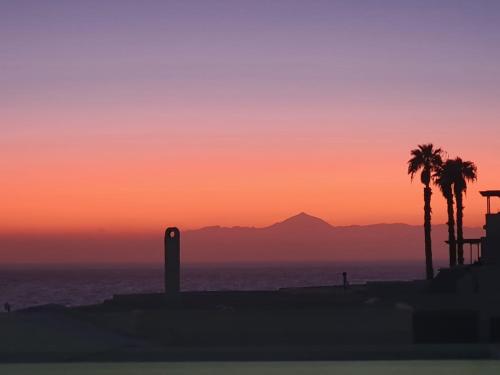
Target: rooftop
{"points": [[490, 193]]}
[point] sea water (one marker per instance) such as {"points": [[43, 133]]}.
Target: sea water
{"points": [[70, 285]]}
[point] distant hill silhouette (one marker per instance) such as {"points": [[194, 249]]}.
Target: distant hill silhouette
{"points": [[300, 222], [307, 238], [299, 238]]}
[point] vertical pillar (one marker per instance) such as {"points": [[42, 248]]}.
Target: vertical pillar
{"points": [[172, 260]]}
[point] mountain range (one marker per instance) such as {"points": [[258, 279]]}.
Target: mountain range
{"points": [[307, 238], [299, 238]]}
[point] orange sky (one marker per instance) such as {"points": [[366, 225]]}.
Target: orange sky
{"points": [[137, 181], [133, 117]]}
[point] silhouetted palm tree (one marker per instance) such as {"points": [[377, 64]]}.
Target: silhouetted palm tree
{"points": [[444, 177], [427, 159], [463, 171]]}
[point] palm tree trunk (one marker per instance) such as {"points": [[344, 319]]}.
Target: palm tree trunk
{"points": [[451, 230], [427, 229], [460, 229]]}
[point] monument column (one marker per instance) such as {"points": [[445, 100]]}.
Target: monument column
{"points": [[172, 260]]}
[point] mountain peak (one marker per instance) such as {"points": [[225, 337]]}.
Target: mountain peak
{"points": [[302, 221]]}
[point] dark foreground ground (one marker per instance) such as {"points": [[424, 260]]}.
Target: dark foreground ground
{"points": [[367, 322], [482, 367]]}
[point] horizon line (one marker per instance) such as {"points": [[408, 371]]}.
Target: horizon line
{"points": [[101, 230]]}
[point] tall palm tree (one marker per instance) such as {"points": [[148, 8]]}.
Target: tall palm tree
{"points": [[428, 159], [464, 171], [444, 177]]}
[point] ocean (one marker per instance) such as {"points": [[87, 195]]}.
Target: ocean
{"points": [[70, 285]]}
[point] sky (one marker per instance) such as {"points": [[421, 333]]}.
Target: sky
{"points": [[136, 115]]}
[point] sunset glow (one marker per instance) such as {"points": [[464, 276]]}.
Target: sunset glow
{"points": [[241, 114]]}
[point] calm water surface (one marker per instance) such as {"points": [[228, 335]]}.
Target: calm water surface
{"points": [[23, 286]]}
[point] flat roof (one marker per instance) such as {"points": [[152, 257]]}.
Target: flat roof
{"points": [[471, 241], [490, 193]]}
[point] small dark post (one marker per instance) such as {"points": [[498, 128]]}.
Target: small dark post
{"points": [[344, 280], [172, 260]]}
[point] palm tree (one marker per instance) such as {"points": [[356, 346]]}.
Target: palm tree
{"points": [[444, 177], [464, 171], [427, 159]]}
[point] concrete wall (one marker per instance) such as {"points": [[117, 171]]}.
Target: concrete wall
{"points": [[301, 326]]}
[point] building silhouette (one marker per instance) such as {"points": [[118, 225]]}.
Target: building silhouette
{"points": [[490, 243]]}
